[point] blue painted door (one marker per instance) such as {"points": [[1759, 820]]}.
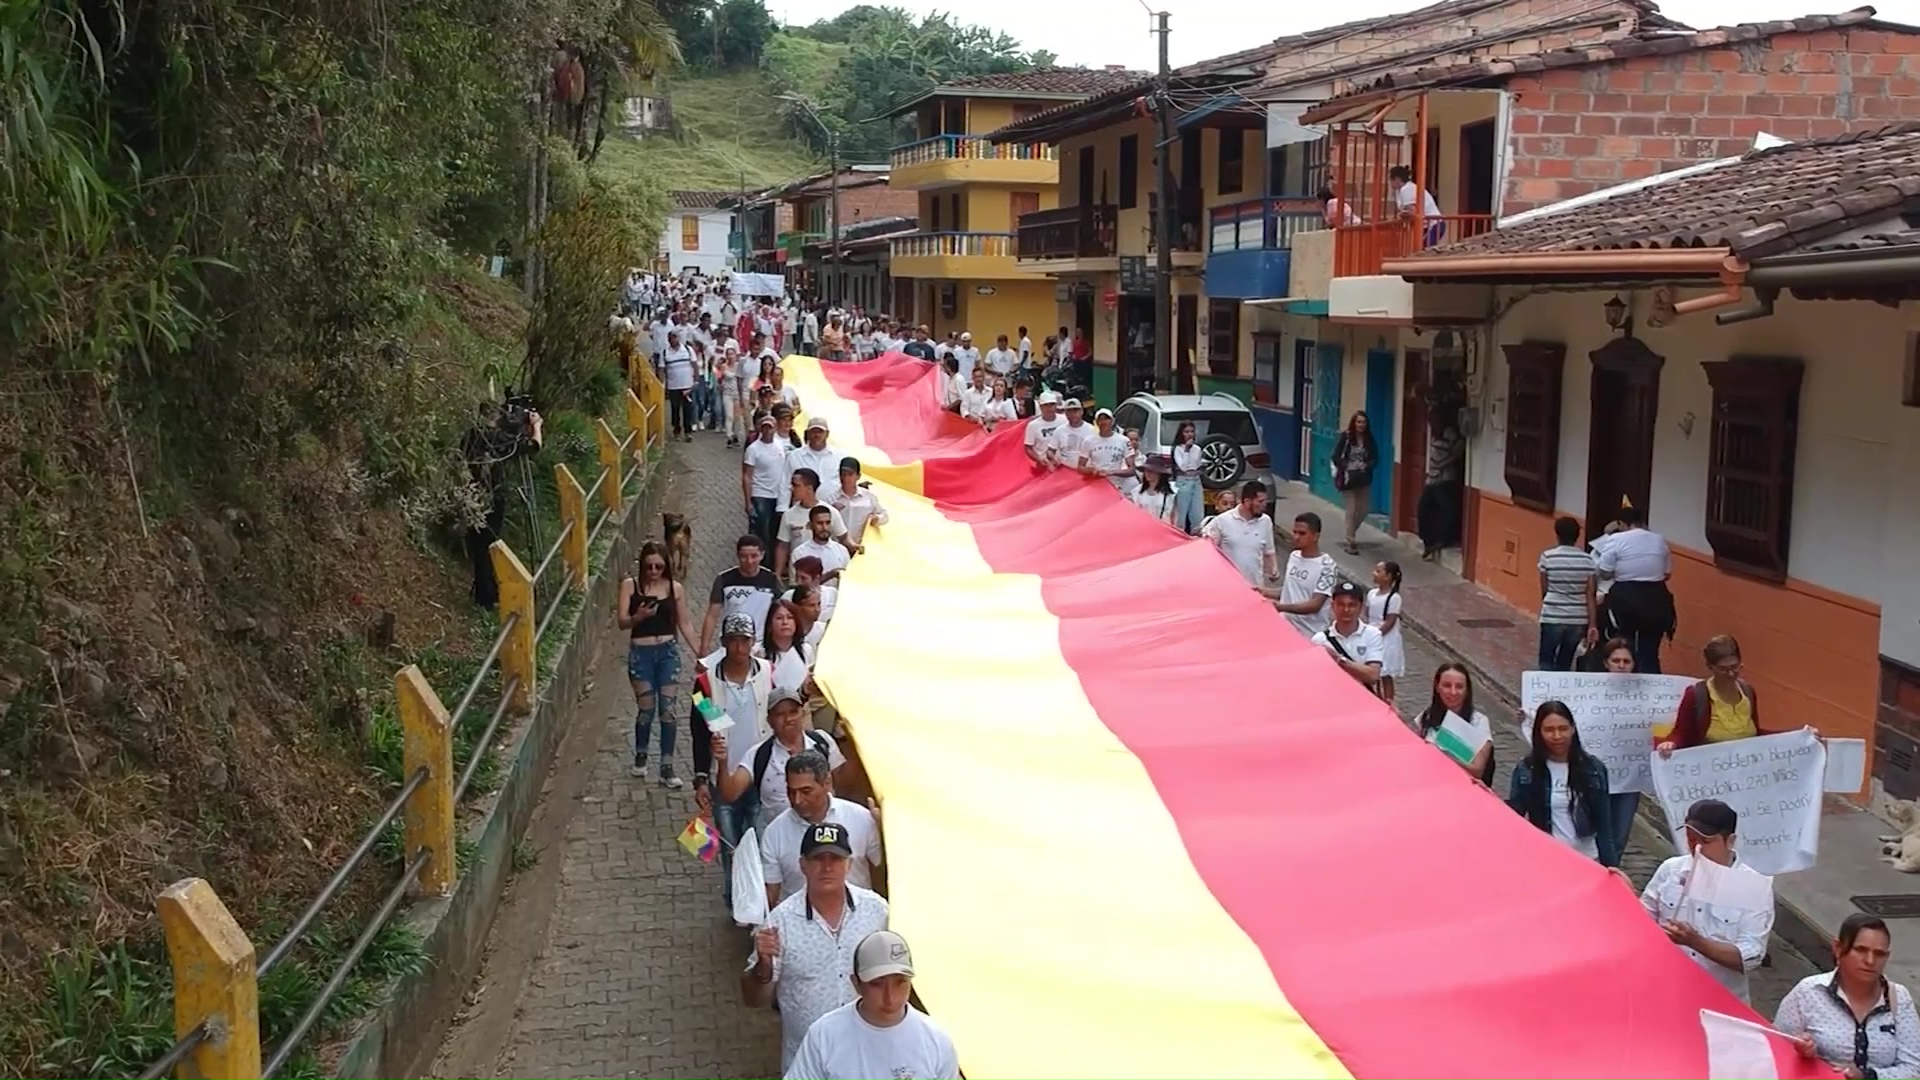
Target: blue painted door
{"points": [[1380, 405], [1324, 421]]}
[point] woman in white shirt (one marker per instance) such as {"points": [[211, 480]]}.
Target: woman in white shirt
{"points": [[1188, 489], [997, 407], [1453, 696], [783, 647], [1854, 1018], [1154, 496]]}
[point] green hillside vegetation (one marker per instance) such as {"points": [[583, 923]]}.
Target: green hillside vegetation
{"points": [[730, 130]]}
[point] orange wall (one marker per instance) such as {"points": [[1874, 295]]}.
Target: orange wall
{"points": [[1810, 652]]}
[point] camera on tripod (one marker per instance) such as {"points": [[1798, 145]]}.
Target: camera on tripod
{"points": [[516, 414]]}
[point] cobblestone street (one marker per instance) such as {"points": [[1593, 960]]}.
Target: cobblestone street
{"points": [[611, 956]]}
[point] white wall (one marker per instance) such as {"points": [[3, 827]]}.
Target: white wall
{"points": [[713, 256], [1858, 447]]}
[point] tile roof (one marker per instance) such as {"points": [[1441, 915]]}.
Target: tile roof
{"points": [[1642, 43], [1887, 241], [1767, 203], [700, 200], [1248, 66], [1052, 81]]}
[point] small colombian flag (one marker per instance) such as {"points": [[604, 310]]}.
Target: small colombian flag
{"points": [[700, 840]]}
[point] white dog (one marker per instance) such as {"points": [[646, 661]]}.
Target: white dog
{"points": [[1903, 850]]}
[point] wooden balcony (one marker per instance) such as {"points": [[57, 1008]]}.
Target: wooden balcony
{"points": [[1068, 234], [954, 256], [945, 160], [1358, 250]]}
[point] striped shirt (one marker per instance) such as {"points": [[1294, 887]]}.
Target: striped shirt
{"points": [[1567, 570]]}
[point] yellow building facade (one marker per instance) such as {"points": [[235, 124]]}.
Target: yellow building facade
{"points": [[959, 272]]}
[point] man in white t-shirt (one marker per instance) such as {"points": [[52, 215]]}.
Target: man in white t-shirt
{"points": [[1358, 648], [763, 480], [1000, 359], [1109, 454], [879, 1033], [820, 544], [1406, 193], [804, 494], [1026, 348], [1074, 436], [975, 394], [1309, 580], [966, 355], [810, 801], [814, 454], [1043, 447], [1245, 535]]}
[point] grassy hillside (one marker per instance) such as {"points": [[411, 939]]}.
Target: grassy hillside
{"points": [[733, 129]]}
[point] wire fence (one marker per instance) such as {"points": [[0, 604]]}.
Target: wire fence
{"points": [[216, 981]]}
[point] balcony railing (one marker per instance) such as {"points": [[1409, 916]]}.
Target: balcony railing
{"points": [[1186, 233], [1263, 224], [968, 148], [1070, 232], [956, 244], [1358, 250]]}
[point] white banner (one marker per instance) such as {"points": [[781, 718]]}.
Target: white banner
{"points": [[1615, 714], [1773, 782], [742, 284]]}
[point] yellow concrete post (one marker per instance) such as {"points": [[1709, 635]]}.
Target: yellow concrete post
{"points": [[213, 981], [610, 461], [573, 511], [637, 422], [517, 656], [427, 741]]}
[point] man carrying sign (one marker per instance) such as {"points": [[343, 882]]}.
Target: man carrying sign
{"points": [[1717, 911]]}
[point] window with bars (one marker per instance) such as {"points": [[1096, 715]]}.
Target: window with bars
{"points": [[1534, 370], [1750, 458]]}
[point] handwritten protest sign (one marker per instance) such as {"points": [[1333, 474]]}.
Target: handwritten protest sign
{"points": [[1773, 782], [1616, 715]]}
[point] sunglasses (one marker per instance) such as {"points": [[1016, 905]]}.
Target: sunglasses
{"points": [[655, 564]]}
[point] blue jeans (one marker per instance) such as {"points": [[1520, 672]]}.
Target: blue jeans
{"points": [[761, 522], [655, 666], [702, 400], [1189, 499], [1623, 805], [1558, 643], [730, 830]]}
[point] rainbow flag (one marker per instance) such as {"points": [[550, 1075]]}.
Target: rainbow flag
{"points": [[1306, 890], [701, 840]]}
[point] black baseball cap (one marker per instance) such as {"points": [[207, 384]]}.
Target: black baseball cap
{"points": [[826, 836], [1348, 588], [1711, 817]]}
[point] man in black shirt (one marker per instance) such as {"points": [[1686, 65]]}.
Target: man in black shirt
{"points": [[746, 589], [919, 347]]}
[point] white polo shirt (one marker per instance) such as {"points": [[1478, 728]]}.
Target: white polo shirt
{"points": [[1245, 542], [1365, 645], [813, 971], [832, 554], [780, 846], [1635, 555]]}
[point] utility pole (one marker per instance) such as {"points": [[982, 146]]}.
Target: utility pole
{"points": [[1165, 228], [833, 210]]}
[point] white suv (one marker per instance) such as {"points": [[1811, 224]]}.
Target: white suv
{"points": [[1230, 447]]}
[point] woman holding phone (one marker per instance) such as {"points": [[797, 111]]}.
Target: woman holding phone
{"points": [[653, 610]]}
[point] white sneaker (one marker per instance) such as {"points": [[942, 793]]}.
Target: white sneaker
{"points": [[672, 782]]}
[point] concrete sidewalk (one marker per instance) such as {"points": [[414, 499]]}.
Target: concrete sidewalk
{"points": [[1497, 642]]}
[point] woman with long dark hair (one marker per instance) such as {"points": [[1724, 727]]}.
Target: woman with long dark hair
{"points": [[1354, 457], [784, 645], [1854, 1018], [1562, 789], [1189, 494], [1154, 496], [1453, 695], [653, 610]]}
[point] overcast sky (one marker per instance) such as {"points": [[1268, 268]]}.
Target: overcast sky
{"points": [[1100, 32]]}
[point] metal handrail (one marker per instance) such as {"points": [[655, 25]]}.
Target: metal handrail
{"points": [[539, 572], [327, 993], [486, 739], [305, 922], [553, 609], [178, 1054], [597, 481], [486, 665]]}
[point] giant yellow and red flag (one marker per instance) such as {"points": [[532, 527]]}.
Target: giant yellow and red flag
{"points": [[1138, 827]]}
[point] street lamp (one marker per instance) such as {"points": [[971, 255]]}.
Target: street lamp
{"points": [[833, 167]]}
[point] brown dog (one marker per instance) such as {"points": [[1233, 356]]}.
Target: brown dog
{"points": [[679, 540]]}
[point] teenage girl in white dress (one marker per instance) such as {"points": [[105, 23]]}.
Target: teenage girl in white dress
{"points": [[1383, 611]]}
